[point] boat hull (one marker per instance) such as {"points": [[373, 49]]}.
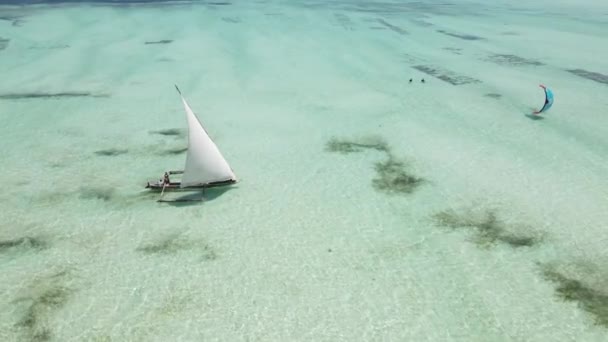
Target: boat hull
{"points": [[175, 186]]}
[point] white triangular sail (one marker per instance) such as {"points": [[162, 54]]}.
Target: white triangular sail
{"points": [[204, 162]]}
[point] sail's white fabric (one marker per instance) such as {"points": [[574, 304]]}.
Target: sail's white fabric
{"points": [[204, 162]]}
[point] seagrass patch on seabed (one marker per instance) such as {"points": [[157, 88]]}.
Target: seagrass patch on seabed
{"points": [[176, 243], [590, 75], [393, 7], [446, 75], [392, 27], [392, 176], [111, 152], [410, 59], [454, 50], [14, 19], [508, 59], [155, 42], [177, 132], [4, 43], [232, 20], [67, 94], [23, 243], [488, 229], [583, 283], [39, 302], [461, 36], [421, 23], [344, 21], [48, 46]]}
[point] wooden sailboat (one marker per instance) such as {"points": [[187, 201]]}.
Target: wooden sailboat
{"points": [[205, 166]]}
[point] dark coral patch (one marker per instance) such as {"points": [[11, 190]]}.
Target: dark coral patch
{"points": [[569, 288], [487, 227]]}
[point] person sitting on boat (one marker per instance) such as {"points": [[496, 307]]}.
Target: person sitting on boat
{"points": [[166, 179]]}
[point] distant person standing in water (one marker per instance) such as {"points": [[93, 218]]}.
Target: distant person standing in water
{"points": [[422, 80], [410, 80]]}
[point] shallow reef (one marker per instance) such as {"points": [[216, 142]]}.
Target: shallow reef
{"points": [[446, 75], [43, 297], [487, 227], [16, 20], [20, 96], [170, 132], [582, 284], [23, 243], [162, 41], [345, 146], [232, 20], [173, 151], [97, 193], [513, 60], [111, 152], [461, 36], [590, 75], [4, 43], [175, 243], [392, 27], [393, 176]]}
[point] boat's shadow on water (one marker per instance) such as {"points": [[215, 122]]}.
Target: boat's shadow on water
{"points": [[194, 197], [534, 117]]}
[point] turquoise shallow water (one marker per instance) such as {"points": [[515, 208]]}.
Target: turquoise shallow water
{"points": [[443, 212]]}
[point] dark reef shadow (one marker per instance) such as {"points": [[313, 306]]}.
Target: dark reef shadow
{"points": [[392, 27], [345, 147], [49, 47], [173, 151], [582, 284], [512, 60], [24, 243], [97, 193], [590, 75], [454, 50], [344, 21], [393, 176], [218, 3], [446, 75], [155, 42], [4, 43], [15, 20], [21, 96], [165, 59], [176, 132], [493, 95], [43, 298], [487, 228], [233, 20], [111, 152], [461, 36], [175, 243]]}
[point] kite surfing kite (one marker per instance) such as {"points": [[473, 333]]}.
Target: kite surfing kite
{"points": [[548, 100]]}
